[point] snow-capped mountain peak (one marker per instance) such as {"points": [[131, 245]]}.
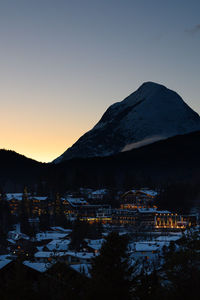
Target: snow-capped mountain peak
{"points": [[151, 113]]}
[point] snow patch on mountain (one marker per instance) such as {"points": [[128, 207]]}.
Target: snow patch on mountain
{"points": [[151, 113], [144, 142]]}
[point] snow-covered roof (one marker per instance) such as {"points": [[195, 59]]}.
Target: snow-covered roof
{"points": [[17, 196], [40, 267], [34, 220], [81, 268], [80, 255], [59, 245], [39, 198], [123, 233], [153, 245], [147, 210], [149, 192], [95, 244], [46, 254], [4, 261], [105, 233], [11, 241], [145, 191], [153, 210], [50, 235], [61, 229], [169, 238], [99, 192], [163, 212], [85, 190], [146, 246], [76, 201], [39, 248], [15, 235]]}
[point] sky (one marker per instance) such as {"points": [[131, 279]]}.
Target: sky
{"points": [[64, 62]]}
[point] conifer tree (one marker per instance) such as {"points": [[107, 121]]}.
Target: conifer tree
{"points": [[58, 205], [59, 215], [25, 212], [111, 272], [6, 220], [79, 233]]}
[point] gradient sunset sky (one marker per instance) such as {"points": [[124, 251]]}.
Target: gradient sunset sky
{"points": [[62, 63]]}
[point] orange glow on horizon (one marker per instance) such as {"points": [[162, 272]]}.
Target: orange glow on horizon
{"points": [[41, 151], [43, 147], [43, 129]]}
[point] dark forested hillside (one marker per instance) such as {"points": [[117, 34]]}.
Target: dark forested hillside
{"points": [[176, 159], [16, 171]]}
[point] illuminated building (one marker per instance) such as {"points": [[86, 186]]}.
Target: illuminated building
{"points": [[37, 205], [134, 199]]}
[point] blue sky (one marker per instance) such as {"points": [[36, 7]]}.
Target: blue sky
{"points": [[64, 62]]}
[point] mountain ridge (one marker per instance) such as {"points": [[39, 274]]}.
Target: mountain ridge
{"points": [[153, 112], [173, 160]]}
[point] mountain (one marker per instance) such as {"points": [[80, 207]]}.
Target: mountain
{"points": [[18, 171], [150, 114]]}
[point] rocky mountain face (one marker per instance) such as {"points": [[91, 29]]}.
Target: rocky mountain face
{"points": [[150, 114]]}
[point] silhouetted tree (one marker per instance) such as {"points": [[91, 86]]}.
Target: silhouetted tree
{"points": [[111, 272]]}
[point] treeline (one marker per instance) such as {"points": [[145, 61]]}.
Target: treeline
{"points": [[180, 197], [175, 160], [165, 164], [51, 214]]}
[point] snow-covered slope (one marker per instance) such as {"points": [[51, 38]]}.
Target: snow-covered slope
{"points": [[150, 114]]}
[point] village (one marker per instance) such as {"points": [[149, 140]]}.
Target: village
{"points": [[71, 229]]}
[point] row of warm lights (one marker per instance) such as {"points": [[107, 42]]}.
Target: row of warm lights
{"points": [[163, 226], [166, 214]]}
